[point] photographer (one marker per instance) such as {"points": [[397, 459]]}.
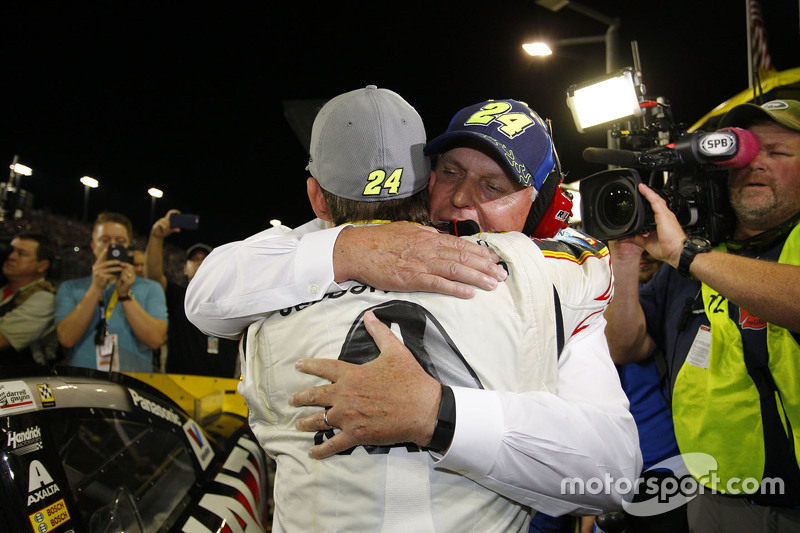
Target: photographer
{"points": [[727, 319], [111, 320], [189, 350]]}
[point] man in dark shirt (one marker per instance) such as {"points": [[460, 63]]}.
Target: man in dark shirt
{"points": [[189, 351]]}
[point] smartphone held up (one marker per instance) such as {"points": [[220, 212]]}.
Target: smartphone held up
{"points": [[184, 221], [120, 253]]}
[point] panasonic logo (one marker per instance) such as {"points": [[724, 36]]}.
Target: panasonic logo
{"points": [[154, 408]]}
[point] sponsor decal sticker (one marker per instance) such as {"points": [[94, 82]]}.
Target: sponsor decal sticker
{"points": [[200, 444], [22, 442], [40, 483], [46, 395], [15, 397], [50, 517], [154, 408]]}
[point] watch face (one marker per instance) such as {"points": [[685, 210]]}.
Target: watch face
{"points": [[698, 243]]}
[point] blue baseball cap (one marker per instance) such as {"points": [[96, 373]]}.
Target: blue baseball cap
{"points": [[512, 129]]}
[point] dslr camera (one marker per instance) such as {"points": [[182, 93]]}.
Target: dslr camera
{"points": [[688, 170]]}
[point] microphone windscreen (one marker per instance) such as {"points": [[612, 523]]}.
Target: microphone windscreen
{"points": [[747, 151], [608, 156]]}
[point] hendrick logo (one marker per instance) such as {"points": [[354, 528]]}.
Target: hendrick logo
{"points": [[22, 442]]}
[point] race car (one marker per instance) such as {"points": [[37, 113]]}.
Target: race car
{"points": [[94, 452]]}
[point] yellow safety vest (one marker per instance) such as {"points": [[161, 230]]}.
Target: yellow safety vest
{"points": [[718, 410]]}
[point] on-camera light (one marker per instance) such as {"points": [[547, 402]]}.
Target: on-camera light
{"points": [[19, 168], [601, 102]]}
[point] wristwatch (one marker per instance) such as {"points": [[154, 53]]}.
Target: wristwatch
{"points": [[691, 247], [445, 422]]}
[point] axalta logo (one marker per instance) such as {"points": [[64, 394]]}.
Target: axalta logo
{"points": [[154, 408], [25, 441], [40, 483]]}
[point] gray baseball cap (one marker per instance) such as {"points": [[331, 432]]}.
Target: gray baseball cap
{"points": [[367, 145]]}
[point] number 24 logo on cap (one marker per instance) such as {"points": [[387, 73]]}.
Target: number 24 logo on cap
{"points": [[377, 180], [513, 123]]}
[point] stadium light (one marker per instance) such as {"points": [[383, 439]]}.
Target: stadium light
{"points": [[154, 194], [610, 37], [88, 183]]}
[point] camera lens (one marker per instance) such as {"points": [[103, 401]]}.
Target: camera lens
{"points": [[616, 205]]}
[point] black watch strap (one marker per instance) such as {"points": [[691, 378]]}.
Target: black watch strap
{"points": [[691, 247], [445, 422]]}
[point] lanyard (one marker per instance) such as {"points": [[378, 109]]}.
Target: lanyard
{"points": [[111, 304], [105, 314]]}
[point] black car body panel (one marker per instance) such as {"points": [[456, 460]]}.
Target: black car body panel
{"points": [[91, 452]]}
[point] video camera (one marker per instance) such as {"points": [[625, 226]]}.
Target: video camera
{"points": [[686, 169]]}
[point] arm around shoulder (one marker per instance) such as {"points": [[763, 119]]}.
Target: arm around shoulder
{"points": [[241, 282]]}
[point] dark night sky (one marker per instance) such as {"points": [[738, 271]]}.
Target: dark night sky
{"points": [[189, 97]]}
